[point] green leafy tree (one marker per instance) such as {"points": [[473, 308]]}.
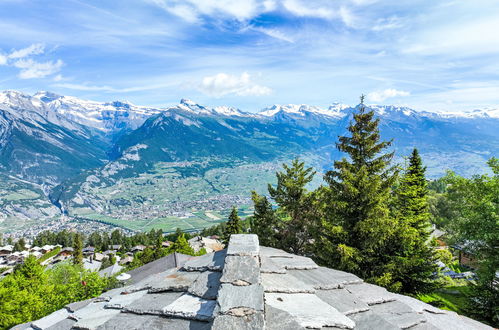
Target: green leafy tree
{"points": [[78, 250], [476, 201], [233, 226], [181, 245], [358, 232]]}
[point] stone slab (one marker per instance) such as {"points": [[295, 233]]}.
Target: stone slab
{"points": [[343, 301], [323, 278], [398, 314], [152, 303], [369, 321], [272, 252], [243, 270], [452, 321], [296, 262], [231, 297], [124, 300], [62, 325], [370, 294], [248, 322], [191, 307], [93, 316], [206, 285], [243, 245], [211, 261], [146, 322], [277, 319], [50, 319], [73, 307], [418, 305], [268, 266], [308, 310], [285, 283], [175, 281]]}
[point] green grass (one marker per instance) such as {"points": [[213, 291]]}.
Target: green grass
{"points": [[450, 298]]}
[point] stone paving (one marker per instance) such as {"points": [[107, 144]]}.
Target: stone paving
{"points": [[248, 286]]}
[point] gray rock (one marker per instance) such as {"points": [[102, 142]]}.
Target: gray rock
{"points": [[206, 285], [268, 266], [277, 319], [174, 281], [369, 321], [62, 325], [50, 319], [232, 296], [398, 314], [123, 300], [211, 261], [73, 307], [285, 283], [308, 310], [343, 301], [272, 252], [135, 322], [248, 322], [241, 269], [453, 321], [191, 307], [296, 262], [370, 294], [418, 305], [243, 245], [152, 303], [323, 278], [93, 315]]}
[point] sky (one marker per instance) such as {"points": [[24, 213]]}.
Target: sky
{"points": [[428, 55]]}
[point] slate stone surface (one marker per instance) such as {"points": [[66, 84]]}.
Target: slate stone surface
{"points": [[50, 319], [73, 307], [268, 266], [343, 301], [206, 285], [233, 296], [118, 302], [152, 303], [418, 305], [62, 325], [369, 321], [296, 262], [241, 269], [212, 261], [191, 307], [93, 316], [370, 294], [398, 314], [125, 321], [243, 245], [454, 322], [285, 283], [247, 322], [171, 281], [325, 278], [272, 252], [308, 310], [277, 319]]}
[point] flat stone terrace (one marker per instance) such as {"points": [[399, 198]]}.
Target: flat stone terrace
{"points": [[248, 286]]}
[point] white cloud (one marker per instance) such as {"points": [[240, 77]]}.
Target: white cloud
{"points": [[190, 10], [34, 49], [274, 33], [32, 69], [223, 84], [29, 68], [300, 9], [380, 96], [3, 59], [387, 24]]}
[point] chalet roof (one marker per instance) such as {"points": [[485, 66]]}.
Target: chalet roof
{"points": [[248, 286]]}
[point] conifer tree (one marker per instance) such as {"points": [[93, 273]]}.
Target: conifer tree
{"points": [[78, 250], [265, 222], [181, 245], [233, 226], [1, 239], [416, 259], [358, 220]]}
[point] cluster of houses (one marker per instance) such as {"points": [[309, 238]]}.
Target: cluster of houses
{"points": [[92, 259]]}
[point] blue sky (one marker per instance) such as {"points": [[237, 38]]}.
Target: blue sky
{"points": [[429, 55]]}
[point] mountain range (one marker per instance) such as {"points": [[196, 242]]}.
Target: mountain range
{"points": [[184, 166]]}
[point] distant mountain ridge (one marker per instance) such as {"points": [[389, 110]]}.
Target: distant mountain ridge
{"points": [[105, 157]]}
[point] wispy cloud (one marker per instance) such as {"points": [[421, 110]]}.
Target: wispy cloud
{"points": [[223, 84], [30, 68], [381, 96]]}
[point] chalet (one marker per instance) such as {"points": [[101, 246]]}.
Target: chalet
{"points": [[6, 250], [126, 260], [66, 252], [116, 247], [89, 250], [98, 257], [166, 244], [47, 248], [138, 248]]}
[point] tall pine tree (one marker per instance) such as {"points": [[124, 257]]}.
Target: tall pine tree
{"points": [[358, 224], [78, 250], [233, 226], [415, 260]]}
